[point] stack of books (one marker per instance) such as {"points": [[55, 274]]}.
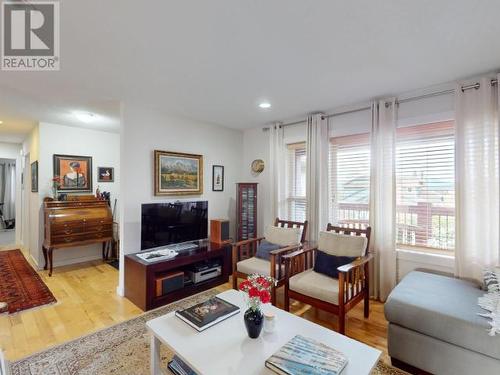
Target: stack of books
{"points": [[208, 313], [179, 367], [303, 356]]}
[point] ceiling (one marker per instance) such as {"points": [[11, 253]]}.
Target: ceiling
{"points": [[215, 60]]}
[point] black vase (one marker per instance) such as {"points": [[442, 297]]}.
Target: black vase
{"points": [[254, 320]]}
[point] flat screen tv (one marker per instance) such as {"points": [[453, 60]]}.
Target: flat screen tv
{"points": [[168, 223]]}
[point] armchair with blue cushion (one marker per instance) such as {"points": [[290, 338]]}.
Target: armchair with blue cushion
{"points": [[332, 276], [264, 255]]}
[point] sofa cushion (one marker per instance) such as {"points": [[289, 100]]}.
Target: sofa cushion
{"points": [[283, 236], [327, 264], [342, 244], [316, 285], [264, 249], [254, 265], [444, 308]]}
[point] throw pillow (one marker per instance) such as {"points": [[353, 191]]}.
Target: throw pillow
{"points": [[492, 280], [283, 236], [264, 249], [327, 264]]}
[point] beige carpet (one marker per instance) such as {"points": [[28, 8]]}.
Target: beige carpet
{"points": [[121, 349]]}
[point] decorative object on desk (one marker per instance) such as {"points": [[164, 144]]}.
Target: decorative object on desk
{"points": [[217, 178], [75, 172], [258, 166], [258, 290], [105, 174], [302, 356], [177, 173], [208, 313], [56, 184], [34, 176]]}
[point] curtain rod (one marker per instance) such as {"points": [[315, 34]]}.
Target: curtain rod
{"points": [[476, 86]]}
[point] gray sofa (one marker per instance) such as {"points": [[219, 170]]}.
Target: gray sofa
{"points": [[434, 327]]}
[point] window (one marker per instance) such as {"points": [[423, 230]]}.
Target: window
{"points": [[296, 182], [425, 186], [349, 171]]}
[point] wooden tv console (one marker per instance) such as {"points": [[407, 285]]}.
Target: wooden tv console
{"points": [[141, 276]]}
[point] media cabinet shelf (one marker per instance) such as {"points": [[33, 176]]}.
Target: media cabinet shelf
{"points": [[140, 275]]}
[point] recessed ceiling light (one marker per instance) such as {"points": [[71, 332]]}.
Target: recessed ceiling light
{"points": [[265, 105], [1, 122], [85, 117]]}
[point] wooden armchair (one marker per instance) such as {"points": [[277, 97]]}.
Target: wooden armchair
{"points": [[245, 262], [337, 296]]}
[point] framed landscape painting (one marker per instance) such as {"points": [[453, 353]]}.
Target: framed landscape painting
{"points": [[74, 172], [177, 173]]}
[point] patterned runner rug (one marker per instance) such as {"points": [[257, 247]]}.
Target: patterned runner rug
{"points": [[121, 349], [20, 286]]}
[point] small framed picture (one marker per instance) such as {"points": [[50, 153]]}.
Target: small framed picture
{"points": [[34, 177], [217, 178], [105, 174]]}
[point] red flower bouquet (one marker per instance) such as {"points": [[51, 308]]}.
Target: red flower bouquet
{"points": [[258, 289]]}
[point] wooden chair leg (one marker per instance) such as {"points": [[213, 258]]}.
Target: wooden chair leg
{"points": [[367, 305], [235, 280], [287, 299], [342, 323], [273, 296]]}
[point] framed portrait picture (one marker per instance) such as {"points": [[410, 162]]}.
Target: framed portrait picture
{"points": [[105, 174], [217, 178], [75, 173], [177, 173], [34, 176]]}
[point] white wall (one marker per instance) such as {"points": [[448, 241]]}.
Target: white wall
{"points": [[31, 201], [13, 151], [103, 147], [144, 131]]}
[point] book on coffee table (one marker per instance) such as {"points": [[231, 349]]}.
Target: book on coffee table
{"points": [[303, 356], [208, 313]]}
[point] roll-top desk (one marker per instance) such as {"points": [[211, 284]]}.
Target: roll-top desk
{"points": [[75, 222]]}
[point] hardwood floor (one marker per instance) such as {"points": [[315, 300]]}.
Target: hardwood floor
{"points": [[87, 301]]}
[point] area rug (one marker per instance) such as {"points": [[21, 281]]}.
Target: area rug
{"points": [[20, 286], [121, 349]]}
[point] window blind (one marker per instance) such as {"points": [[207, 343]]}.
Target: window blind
{"points": [[425, 186], [349, 170], [296, 182]]}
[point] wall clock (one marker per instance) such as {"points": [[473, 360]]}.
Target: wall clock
{"points": [[258, 166]]}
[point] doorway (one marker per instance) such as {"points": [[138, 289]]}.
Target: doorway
{"points": [[7, 202]]}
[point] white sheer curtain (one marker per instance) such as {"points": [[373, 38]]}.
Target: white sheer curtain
{"points": [[277, 170], [383, 197], [7, 189], [477, 175], [317, 174]]}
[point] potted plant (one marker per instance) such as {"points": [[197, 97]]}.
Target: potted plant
{"points": [[258, 291]]}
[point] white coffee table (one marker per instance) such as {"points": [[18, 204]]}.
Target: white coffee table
{"points": [[226, 348]]}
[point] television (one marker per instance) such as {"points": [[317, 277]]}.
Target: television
{"points": [[170, 223]]}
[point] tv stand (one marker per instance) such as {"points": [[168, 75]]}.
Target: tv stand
{"points": [[141, 275]]}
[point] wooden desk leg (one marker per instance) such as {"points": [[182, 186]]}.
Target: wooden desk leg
{"points": [[50, 260], [44, 257], [155, 355], [104, 250]]}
